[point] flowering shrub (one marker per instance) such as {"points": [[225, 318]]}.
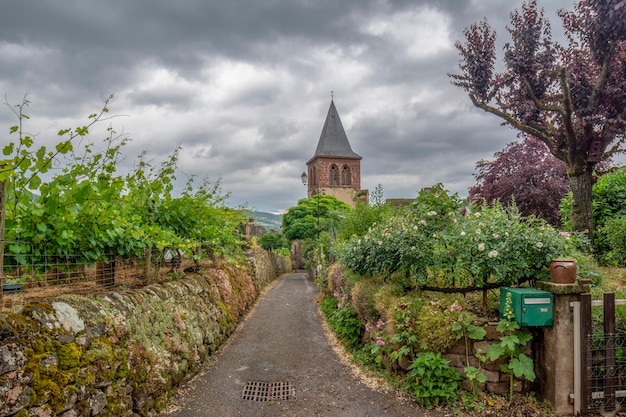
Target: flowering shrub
{"points": [[379, 344], [364, 300], [414, 324], [434, 327], [338, 283], [430, 249]]}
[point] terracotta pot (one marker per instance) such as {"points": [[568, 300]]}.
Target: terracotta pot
{"points": [[563, 271]]}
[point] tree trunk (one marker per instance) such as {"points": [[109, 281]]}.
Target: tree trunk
{"points": [[147, 265], [581, 185]]}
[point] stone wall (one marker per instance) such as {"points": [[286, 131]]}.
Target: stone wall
{"points": [[123, 352], [497, 381]]}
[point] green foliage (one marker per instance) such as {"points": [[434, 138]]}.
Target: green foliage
{"points": [[615, 233], [301, 221], [432, 380], [404, 342], [271, 241], [466, 330], [356, 222], [342, 320], [434, 325], [436, 198], [427, 248], [412, 323], [609, 201], [86, 211], [510, 348]]}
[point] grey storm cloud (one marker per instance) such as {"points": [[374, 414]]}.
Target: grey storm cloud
{"points": [[243, 86]]}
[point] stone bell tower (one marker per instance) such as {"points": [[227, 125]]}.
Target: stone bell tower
{"points": [[335, 169]]}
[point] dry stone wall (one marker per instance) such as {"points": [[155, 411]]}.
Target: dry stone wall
{"points": [[497, 381], [122, 353]]}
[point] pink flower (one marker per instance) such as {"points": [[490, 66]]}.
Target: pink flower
{"points": [[455, 307], [380, 342]]}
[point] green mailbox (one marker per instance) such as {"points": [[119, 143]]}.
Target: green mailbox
{"points": [[532, 307]]}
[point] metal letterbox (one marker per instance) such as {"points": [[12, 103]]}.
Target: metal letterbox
{"points": [[532, 307]]}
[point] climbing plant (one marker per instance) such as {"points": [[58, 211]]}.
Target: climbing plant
{"points": [[86, 210]]}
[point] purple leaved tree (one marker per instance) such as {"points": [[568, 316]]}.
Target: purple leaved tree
{"points": [[525, 173], [571, 96]]}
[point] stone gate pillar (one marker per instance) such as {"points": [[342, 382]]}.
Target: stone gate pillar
{"points": [[554, 349]]}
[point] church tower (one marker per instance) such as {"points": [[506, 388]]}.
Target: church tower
{"points": [[335, 169]]}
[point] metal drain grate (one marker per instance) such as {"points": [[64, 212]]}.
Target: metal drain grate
{"points": [[268, 391]]}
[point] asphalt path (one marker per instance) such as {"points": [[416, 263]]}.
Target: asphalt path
{"points": [[282, 343]]}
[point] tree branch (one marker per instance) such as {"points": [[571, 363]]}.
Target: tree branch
{"points": [[463, 290], [512, 121], [570, 135], [602, 77], [537, 102]]}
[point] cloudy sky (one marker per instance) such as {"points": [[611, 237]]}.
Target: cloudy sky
{"points": [[244, 85]]}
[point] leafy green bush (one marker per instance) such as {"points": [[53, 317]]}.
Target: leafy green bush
{"points": [[356, 222], [609, 201], [432, 250], [271, 241], [342, 320], [615, 232], [434, 326], [432, 380], [312, 216], [86, 211]]}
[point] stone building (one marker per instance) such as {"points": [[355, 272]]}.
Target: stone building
{"points": [[335, 169]]}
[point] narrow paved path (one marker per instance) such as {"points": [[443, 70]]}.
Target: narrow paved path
{"points": [[283, 341]]}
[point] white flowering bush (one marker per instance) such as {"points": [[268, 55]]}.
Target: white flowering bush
{"points": [[431, 249]]}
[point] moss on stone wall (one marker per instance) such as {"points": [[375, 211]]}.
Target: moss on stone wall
{"points": [[125, 351]]}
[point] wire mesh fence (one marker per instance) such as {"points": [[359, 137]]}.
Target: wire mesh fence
{"points": [[29, 277]]}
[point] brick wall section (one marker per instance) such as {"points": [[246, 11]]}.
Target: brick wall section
{"points": [[319, 176], [322, 166]]}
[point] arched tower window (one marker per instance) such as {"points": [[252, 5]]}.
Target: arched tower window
{"points": [[333, 177], [346, 178]]}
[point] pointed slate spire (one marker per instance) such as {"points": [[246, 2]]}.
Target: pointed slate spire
{"points": [[333, 140]]}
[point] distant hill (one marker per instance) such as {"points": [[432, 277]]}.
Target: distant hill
{"points": [[268, 220]]}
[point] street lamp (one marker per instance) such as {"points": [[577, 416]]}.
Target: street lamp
{"points": [[305, 178]]}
